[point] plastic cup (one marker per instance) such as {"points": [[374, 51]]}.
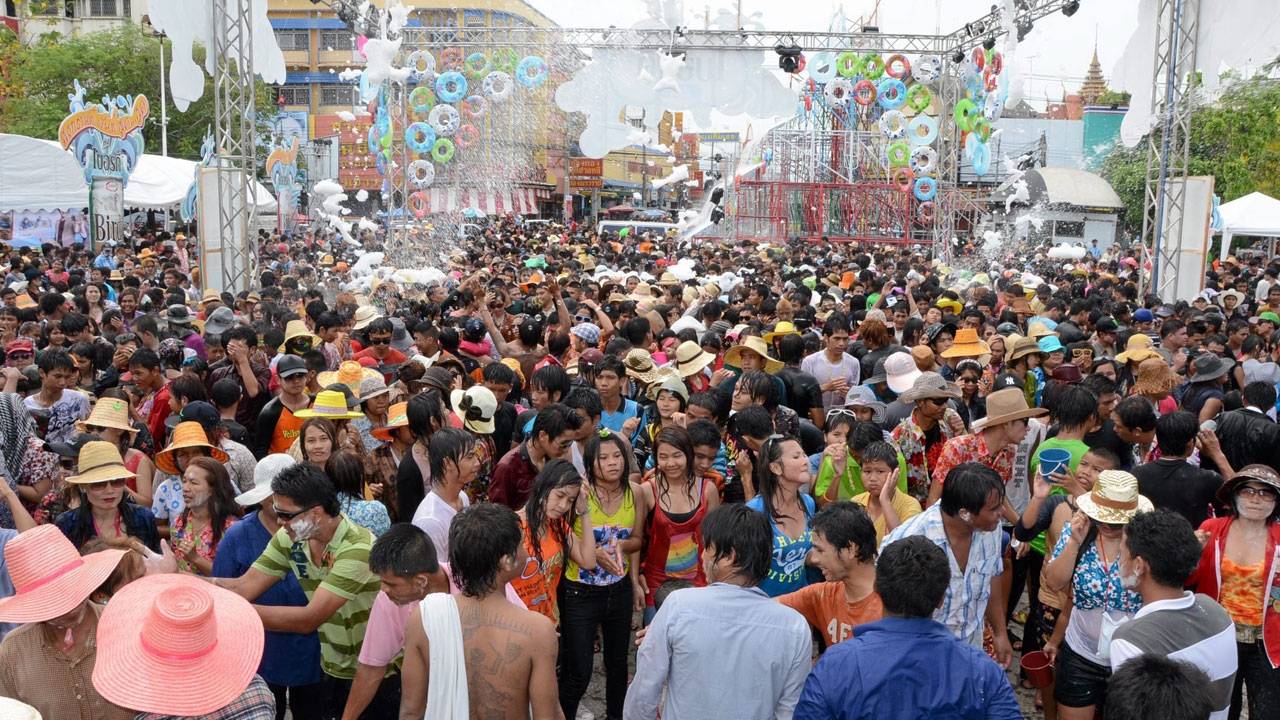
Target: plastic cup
{"points": [[1053, 460], [1038, 668]]}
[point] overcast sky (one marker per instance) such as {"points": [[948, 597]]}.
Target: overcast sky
{"points": [[1057, 51]]}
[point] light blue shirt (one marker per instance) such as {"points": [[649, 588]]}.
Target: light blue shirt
{"points": [[965, 604], [723, 651]]}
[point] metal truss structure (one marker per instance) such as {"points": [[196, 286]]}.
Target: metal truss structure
{"points": [[1168, 150], [234, 136]]}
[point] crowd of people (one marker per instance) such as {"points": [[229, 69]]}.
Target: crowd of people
{"points": [[812, 481]]}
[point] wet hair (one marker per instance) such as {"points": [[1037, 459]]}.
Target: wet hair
{"points": [[222, 500], [1106, 455], [1100, 385], [705, 433], [791, 349], [839, 420], [862, 435], [767, 482], [551, 378], [1260, 394], [591, 455], [912, 577], [450, 444], [404, 550], [753, 421], [425, 412], [736, 532], [1174, 431], [51, 360], [1151, 687], [555, 420], [479, 537], [558, 473], [846, 524], [667, 587], [882, 451], [760, 386], [587, 400], [188, 388], [500, 374], [1075, 406], [678, 438], [713, 401], [346, 470], [307, 485], [1167, 542], [1136, 413], [968, 487]]}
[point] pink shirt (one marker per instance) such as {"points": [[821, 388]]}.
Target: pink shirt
{"points": [[384, 635]]}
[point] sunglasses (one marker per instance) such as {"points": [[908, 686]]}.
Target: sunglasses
{"points": [[68, 464], [1081, 352], [1260, 493], [380, 341], [287, 516], [20, 356], [839, 412], [113, 484], [938, 401], [581, 319]]}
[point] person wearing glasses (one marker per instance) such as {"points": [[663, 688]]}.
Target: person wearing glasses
{"points": [[105, 508], [329, 555]]}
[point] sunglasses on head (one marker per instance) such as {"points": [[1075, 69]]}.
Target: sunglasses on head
{"points": [[836, 412], [287, 516]]}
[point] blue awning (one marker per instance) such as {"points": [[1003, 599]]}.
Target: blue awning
{"points": [[307, 78], [307, 23]]}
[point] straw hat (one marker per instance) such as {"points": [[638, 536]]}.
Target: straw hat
{"points": [[185, 435], [365, 314], [298, 329], [1155, 377], [640, 366], [668, 280], [50, 576], [1255, 473], [108, 413], [1239, 296], [349, 373], [329, 404], [930, 385], [1022, 347], [372, 387], [670, 382], [967, 344], [1006, 406], [159, 640], [758, 346], [100, 461], [263, 473], [923, 357], [397, 417], [780, 330], [1114, 499], [1039, 330], [690, 358], [476, 406], [1139, 347], [1019, 305]]}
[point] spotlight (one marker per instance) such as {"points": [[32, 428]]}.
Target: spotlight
{"points": [[1070, 8], [788, 58], [1024, 28], [957, 57], [989, 43]]}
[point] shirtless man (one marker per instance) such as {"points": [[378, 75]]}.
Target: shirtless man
{"points": [[510, 652]]}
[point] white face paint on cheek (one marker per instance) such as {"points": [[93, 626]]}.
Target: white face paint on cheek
{"points": [[303, 528]]}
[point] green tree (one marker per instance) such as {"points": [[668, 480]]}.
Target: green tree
{"points": [[119, 61], [1235, 138]]}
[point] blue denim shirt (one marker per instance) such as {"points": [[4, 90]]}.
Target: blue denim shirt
{"points": [[906, 668]]}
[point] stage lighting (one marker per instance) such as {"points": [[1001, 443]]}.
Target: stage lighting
{"points": [[1024, 28], [788, 58], [1070, 8], [989, 43], [957, 57]]}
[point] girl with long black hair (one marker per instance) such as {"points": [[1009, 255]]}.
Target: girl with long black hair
{"points": [[781, 470], [558, 500]]}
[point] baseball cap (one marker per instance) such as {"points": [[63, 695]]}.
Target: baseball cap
{"points": [[201, 412], [1143, 315], [19, 345], [290, 365], [1108, 325]]}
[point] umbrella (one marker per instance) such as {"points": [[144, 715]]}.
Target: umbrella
{"points": [[620, 209]]}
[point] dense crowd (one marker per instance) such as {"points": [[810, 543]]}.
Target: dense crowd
{"points": [[811, 481]]}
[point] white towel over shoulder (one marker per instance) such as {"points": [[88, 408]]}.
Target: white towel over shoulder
{"points": [[447, 697]]}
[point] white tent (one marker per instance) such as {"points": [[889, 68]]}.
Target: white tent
{"points": [[39, 175], [1254, 214]]}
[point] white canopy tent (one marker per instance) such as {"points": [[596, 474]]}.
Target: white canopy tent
{"points": [[1254, 214], [39, 175]]}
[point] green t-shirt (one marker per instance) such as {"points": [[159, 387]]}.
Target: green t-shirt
{"points": [[1077, 448], [851, 481], [344, 572]]}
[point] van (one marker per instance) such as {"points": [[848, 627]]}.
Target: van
{"points": [[638, 227]]}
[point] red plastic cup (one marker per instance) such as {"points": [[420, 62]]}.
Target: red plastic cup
{"points": [[1038, 667]]}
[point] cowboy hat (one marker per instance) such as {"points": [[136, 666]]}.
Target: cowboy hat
{"points": [[1019, 305], [100, 461], [1005, 406], [219, 321], [900, 372], [640, 366], [1138, 348], [930, 385], [209, 296], [863, 396], [349, 373], [670, 382], [1114, 499], [1256, 473], [923, 357], [263, 473], [365, 314], [1239, 296], [1040, 329], [108, 413], [397, 417], [690, 358], [1155, 377], [329, 404], [50, 577], [1022, 347], [476, 406], [186, 435], [297, 329], [967, 344], [173, 644], [1208, 366], [756, 345], [780, 330], [372, 387]]}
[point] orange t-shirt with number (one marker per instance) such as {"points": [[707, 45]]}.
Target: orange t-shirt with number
{"points": [[823, 605]]}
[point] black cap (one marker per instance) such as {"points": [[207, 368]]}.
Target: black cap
{"points": [[1108, 325], [200, 412], [70, 449], [290, 365], [1006, 380]]}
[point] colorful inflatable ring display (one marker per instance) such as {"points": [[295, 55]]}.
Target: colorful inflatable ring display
{"points": [[477, 65], [923, 130], [903, 180], [374, 138], [992, 108], [928, 69], [505, 60], [981, 160], [442, 152], [498, 85], [444, 119], [899, 154], [823, 70], [891, 93], [979, 58], [925, 212], [919, 98], [990, 80], [419, 137], [926, 189], [421, 174], [893, 125], [475, 107], [982, 128], [380, 163], [974, 89], [451, 58], [864, 92], [419, 205], [532, 72], [872, 66], [422, 99], [422, 65], [467, 136], [849, 64], [963, 114], [838, 92], [924, 160], [996, 62], [898, 66], [451, 87]]}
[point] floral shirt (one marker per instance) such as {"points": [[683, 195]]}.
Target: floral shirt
{"points": [[910, 439], [478, 490], [368, 514], [37, 466], [1095, 586], [167, 501], [205, 546], [380, 466], [973, 448]]}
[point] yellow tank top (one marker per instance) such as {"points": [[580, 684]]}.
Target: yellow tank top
{"points": [[607, 529]]}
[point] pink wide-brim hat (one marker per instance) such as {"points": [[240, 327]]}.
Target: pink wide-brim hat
{"points": [[50, 578]]}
